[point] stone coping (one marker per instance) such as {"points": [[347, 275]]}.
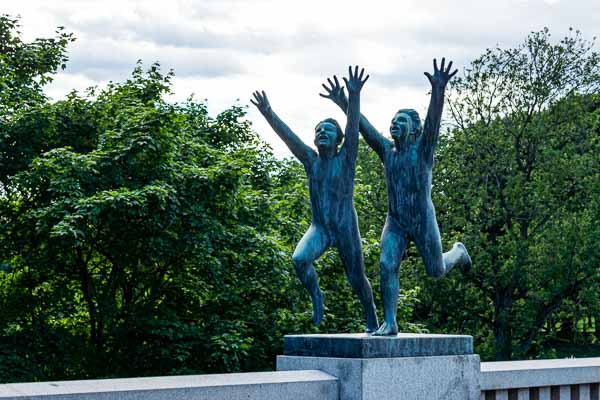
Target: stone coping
{"points": [[171, 387], [539, 373], [362, 345]]}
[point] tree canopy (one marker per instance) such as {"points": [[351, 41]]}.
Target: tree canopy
{"points": [[519, 177], [142, 237]]}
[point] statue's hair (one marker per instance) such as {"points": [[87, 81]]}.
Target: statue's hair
{"points": [[338, 128], [414, 116]]}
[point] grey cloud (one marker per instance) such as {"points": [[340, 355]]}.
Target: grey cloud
{"points": [[411, 72], [194, 32], [466, 31], [109, 60], [323, 60], [321, 54], [161, 33], [463, 36]]}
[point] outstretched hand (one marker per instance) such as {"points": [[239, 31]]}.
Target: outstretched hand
{"points": [[261, 102], [356, 81], [335, 93], [442, 75]]}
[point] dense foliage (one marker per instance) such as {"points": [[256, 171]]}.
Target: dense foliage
{"points": [[142, 237], [519, 179], [138, 239]]}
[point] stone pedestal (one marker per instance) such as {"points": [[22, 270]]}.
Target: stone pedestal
{"points": [[407, 366]]}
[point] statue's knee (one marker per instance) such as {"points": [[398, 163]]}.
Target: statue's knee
{"points": [[300, 262], [387, 268]]}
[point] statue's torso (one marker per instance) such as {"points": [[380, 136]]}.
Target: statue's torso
{"points": [[408, 179], [331, 188]]}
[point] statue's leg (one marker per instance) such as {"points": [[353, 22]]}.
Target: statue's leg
{"points": [[350, 251], [429, 244], [311, 246], [393, 244]]}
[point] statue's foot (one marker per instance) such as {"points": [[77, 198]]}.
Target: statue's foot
{"points": [[387, 329], [318, 307], [465, 260], [372, 325]]}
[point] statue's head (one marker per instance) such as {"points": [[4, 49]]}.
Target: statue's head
{"points": [[406, 122], [328, 134]]}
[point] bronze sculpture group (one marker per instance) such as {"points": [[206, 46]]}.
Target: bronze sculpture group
{"points": [[407, 161]]}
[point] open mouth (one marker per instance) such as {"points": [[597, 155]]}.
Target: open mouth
{"points": [[398, 130]]}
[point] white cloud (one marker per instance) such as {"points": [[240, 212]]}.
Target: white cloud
{"points": [[222, 50], [104, 59]]}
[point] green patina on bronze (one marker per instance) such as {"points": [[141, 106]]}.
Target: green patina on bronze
{"points": [[408, 162], [330, 172]]}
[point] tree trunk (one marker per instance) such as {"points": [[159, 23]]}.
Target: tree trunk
{"points": [[86, 288], [502, 328]]}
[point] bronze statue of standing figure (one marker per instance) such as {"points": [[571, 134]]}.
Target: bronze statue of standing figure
{"points": [[331, 186], [408, 162]]}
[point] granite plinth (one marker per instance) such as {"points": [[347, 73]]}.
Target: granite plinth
{"points": [[361, 345], [401, 378]]}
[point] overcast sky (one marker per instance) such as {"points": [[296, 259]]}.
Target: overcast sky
{"points": [[222, 50]]}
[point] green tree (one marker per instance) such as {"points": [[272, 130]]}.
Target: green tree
{"points": [[24, 70], [140, 240], [518, 180], [140, 237], [26, 67]]}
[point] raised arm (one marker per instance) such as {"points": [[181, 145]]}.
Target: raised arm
{"points": [[431, 130], [354, 83], [373, 138], [302, 152]]}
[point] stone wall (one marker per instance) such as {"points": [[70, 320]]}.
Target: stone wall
{"points": [[297, 385], [563, 379]]}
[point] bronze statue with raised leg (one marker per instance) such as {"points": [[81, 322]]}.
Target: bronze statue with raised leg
{"points": [[331, 186], [408, 162]]}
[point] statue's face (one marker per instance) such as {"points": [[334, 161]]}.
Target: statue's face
{"points": [[401, 126], [326, 135]]}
